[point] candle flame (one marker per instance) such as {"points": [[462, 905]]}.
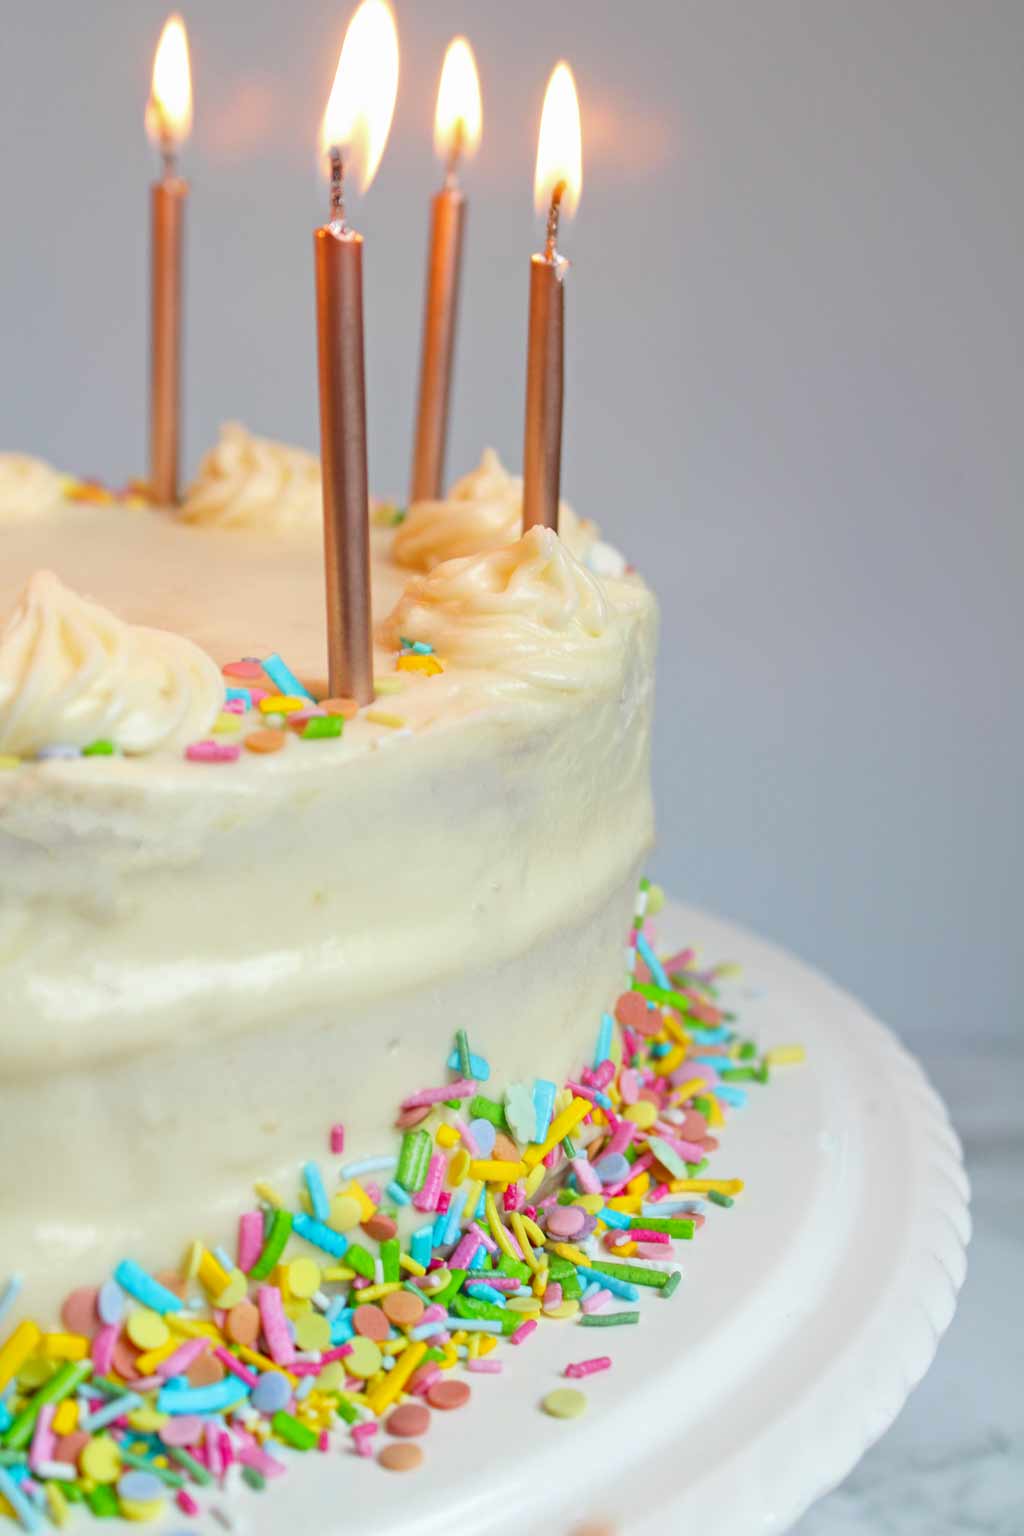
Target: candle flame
{"points": [[362, 100], [560, 145], [459, 116], [169, 109]]}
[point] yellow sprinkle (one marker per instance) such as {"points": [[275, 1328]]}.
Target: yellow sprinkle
{"points": [[487, 1342], [495, 1172], [56, 1502], [21, 1344], [451, 1357], [563, 1310], [132, 1509], [640, 1185], [705, 1186], [147, 1421], [355, 1191], [282, 704], [146, 1364], [561, 1126], [251, 1357], [473, 1347], [269, 1195], [534, 1180], [519, 1228], [458, 1167], [384, 717], [715, 1115], [383, 1396], [304, 1278], [687, 1090], [539, 1283], [674, 1029], [313, 1332], [147, 1329], [375, 1292], [346, 1212], [227, 724], [410, 1265], [236, 1290], [447, 1136], [416, 663], [390, 1346], [192, 1327], [641, 1113], [101, 1460], [65, 1346], [534, 1232], [9, 761], [589, 1203], [625, 1250], [65, 1420], [630, 1204], [668, 1063], [528, 1305], [571, 1252], [382, 685], [498, 1232], [785, 1056], [212, 1274]]}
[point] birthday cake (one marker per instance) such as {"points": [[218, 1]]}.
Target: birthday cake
{"points": [[233, 911]]}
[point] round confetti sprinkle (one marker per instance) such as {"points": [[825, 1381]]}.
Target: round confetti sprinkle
{"points": [[564, 1403], [303, 1278], [271, 1392], [100, 1460], [242, 1324], [205, 1371], [313, 1332], [332, 1377], [70, 1447], [694, 1126], [187, 1428], [124, 1358], [484, 1134], [407, 1118], [370, 1322], [642, 1113], [401, 1458], [147, 1330], [365, 1358], [634, 1012], [410, 1420], [566, 1221], [265, 741], [403, 1309], [448, 1394], [79, 1313], [504, 1149], [347, 708], [380, 1227], [172, 1281], [345, 1213], [234, 1292], [140, 1487]]}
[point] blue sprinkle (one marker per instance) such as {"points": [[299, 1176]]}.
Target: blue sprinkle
{"points": [[612, 1168], [368, 1165], [10, 1294], [58, 750], [709, 1036], [320, 1235], [544, 1104], [399, 1195], [731, 1094], [131, 1277], [479, 1069], [612, 1218], [110, 1411], [110, 1304], [471, 1325], [479, 1258], [439, 1228], [484, 1292], [427, 1330], [30, 1519], [141, 1487], [284, 678], [455, 1209], [216, 1398], [317, 1193], [245, 694], [481, 1207], [612, 1283], [271, 1392], [654, 965], [421, 1244], [224, 1259], [5, 1418], [604, 1040]]}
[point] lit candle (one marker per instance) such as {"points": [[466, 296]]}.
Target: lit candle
{"points": [[355, 130], [168, 121], [457, 123], [556, 191]]}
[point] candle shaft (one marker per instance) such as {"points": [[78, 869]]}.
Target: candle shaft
{"points": [[542, 449], [338, 260], [167, 222], [447, 220]]}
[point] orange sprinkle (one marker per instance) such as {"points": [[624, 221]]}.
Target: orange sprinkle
{"points": [[266, 741]]}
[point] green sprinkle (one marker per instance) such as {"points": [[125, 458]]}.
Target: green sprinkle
{"points": [[737, 1074], [60, 1385], [254, 1478], [469, 1306], [635, 1274], [515, 1268], [674, 1226], [437, 1355], [465, 1060], [292, 1432], [12, 1458], [348, 1411], [608, 1319], [568, 1147], [414, 1160], [762, 1072], [390, 1250], [361, 1261], [73, 1493], [277, 1239], [717, 1198], [318, 727], [103, 1501], [172, 1479], [703, 1105], [455, 1281], [195, 1469], [483, 1108], [747, 1051], [670, 1288], [99, 749]]}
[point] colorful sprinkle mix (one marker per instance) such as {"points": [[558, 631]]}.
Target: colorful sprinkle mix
{"points": [[354, 1303]]}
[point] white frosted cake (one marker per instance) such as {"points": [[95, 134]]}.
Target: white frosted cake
{"points": [[221, 932]]}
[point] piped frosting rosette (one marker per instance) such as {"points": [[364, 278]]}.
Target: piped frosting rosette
{"points": [[251, 482], [528, 612], [28, 487], [483, 510], [73, 674]]}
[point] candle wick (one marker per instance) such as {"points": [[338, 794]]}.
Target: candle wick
{"points": [[337, 189], [169, 156], [550, 244], [458, 144]]}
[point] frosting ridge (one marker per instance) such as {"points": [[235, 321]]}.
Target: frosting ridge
{"points": [[528, 611], [27, 486], [483, 510], [71, 674], [246, 481]]}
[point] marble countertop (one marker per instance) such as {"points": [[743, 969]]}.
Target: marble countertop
{"points": [[953, 1463]]}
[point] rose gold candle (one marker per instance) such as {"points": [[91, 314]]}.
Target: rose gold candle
{"points": [[457, 124], [556, 191], [168, 121], [355, 130]]}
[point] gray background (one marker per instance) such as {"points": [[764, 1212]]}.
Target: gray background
{"points": [[794, 397]]}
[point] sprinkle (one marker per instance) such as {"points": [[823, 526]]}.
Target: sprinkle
{"points": [[24, 1511], [384, 716], [784, 1056], [463, 1089], [265, 741], [131, 1277], [284, 679], [564, 1403], [609, 1319], [589, 1367], [212, 752], [10, 1294], [218, 1397]]}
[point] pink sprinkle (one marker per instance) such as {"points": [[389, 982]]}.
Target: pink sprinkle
{"points": [[650, 1251], [214, 1457], [44, 1441], [637, 1235], [595, 1302], [444, 1200], [212, 752], [499, 1282], [589, 1367], [621, 1137], [275, 1325], [259, 694], [233, 706], [512, 1198], [464, 1250], [337, 1140], [363, 1435], [250, 1239], [485, 1365], [324, 1442], [586, 1178], [251, 1456], [553, 1158], [486, 1238], [433, 1314], [236, 1367], [658, 1192], [679, 962], [590, 1094], [469, 1141], [186, 1503], [426, 1199], [338, 1353], [103, 1348], [553, 1295], [522, 1333], [463, 1089], [424, 1378], [602, 1075], [226, 1448]]}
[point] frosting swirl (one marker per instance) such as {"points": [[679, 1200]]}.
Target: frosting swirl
{"points": [[71, 673], [252, 482], [483, 510], [27, 486], [528, 611]]}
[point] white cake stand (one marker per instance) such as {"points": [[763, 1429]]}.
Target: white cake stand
{"points": [[806, 1315]]}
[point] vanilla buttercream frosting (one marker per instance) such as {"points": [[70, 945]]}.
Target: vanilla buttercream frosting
{"points": [[27, 486], [528, 611], [483, 510], [252, 482], [72, 674]]}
